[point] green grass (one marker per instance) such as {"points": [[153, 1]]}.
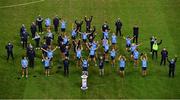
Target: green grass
{"points": [[154, 17]]}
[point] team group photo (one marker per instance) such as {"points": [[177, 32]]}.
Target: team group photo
{"points": [[89, 49]]}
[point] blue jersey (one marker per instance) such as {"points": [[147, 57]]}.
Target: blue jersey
{"points": [[78, 53], [85, 63], [128, 41], [65, 40], [122, 63], [113, 53], [114, 39], [104, 42], [106, 35], [84, 36], [133, 48], [144, 63], [136, 54], [48, 22], [106, 47], [92, 51], [46, 63], [63, 24], [94, 45], [49, 34], [24, 63], [49, 54], [73, 33]]}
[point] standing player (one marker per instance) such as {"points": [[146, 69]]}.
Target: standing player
{"points": [[24, 38], [122, 64], [74, 33], [37, 40], [33, 29], [50, 52], [172, 65], [56, 23], [78, 54], [84, 66], [118, 25], [9, 49], [105, 26], [133, 48], [135, 34], [39, 21], [45, 47], [164, 55], [46, 62], [113, 56], [106, 34], [113, 40], [92, 53], [144, 64], [66, 40], [47, 23], [31, 56], [24, 64], [84, 36], [78, 25], [128, 42], [101, 66], [136, 57], [88, 23], [63, 26], [106, 50], [66, 66]]}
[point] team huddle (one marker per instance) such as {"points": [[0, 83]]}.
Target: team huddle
{"points": [[79, 41]]}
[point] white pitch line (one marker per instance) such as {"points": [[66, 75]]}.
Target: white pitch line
{"points": [[23, 4]]}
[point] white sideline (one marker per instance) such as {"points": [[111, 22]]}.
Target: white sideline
{"points": [[23, 4]]}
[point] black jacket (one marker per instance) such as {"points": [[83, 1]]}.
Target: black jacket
{"points": [[9, 48]]}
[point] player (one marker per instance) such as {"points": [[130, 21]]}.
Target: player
{"points": [[84, 66], [78, 54], [50, 54], [114, 40], [101, 66], [63, 26], [37, 40], [46, 62], [128, 42], [88, 23], [24, 64], [113, 56], [122, 64], [136, 57], [92, 53], [144, 64]]}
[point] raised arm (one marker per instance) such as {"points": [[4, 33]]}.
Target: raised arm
{"points": [[159, 42], [43, 49], [119, 57], [91, 18], [85, 18], [54, 48]]}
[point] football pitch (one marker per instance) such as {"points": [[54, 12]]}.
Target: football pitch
{"points": [[154, 17]]}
